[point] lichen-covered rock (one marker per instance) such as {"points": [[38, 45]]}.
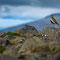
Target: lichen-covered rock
{"points": [[2, 41], [12, 34], [50, 34], [7, 57], [2, 49], [2, 34], [7, 43], [33, 45], [54, 46], [30, 44], [18, 40], [57, 56], [27, 31], [12, 51], [51, 30], [8, 37]]}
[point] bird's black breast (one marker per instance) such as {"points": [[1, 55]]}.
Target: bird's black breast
{"points": [[52, 22]]}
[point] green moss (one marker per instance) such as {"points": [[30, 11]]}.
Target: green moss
{"points": [[57, 48], [2, 48], [12, 34]]}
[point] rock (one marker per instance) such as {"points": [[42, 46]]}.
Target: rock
{"points": [[2, 49], [51, 34], [12, 51], [57, 57], [54, 46], [31, 57], [41, 56], [33, 45], [7, 57], [18, 40], [7, 43], [51, 30], [27, 31], [28, 57], [30, 44], [36, 56], [2, 41], [2, 34], [39, 41], [7, 37]]}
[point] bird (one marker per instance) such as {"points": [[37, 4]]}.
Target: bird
{"points": [[53, 20]]}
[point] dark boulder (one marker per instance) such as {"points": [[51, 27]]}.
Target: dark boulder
{"points": [[7, 43]]}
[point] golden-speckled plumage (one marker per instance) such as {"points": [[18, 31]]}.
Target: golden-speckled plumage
{"points": [[53, 20]]}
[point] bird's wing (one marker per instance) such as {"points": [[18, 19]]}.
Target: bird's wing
{"points": [[54, 21]]}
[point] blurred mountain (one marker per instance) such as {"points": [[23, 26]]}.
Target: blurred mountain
{"points": [[39, 24]]}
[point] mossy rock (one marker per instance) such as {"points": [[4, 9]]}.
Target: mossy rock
{"points": [[12, 34], [2, 49]]}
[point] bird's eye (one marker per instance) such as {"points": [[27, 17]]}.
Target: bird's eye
{"points": [[22, 41]]}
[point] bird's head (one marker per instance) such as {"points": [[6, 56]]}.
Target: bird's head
{"points": [[52, 16]]}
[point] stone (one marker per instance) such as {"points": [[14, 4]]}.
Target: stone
{"points": [[27, 31], [57, 57], [12, 51], [2, 34], [7, 57], [51, 30], [7, 43]]}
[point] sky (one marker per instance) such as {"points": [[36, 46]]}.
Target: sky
{"points": [[15, 12]]}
